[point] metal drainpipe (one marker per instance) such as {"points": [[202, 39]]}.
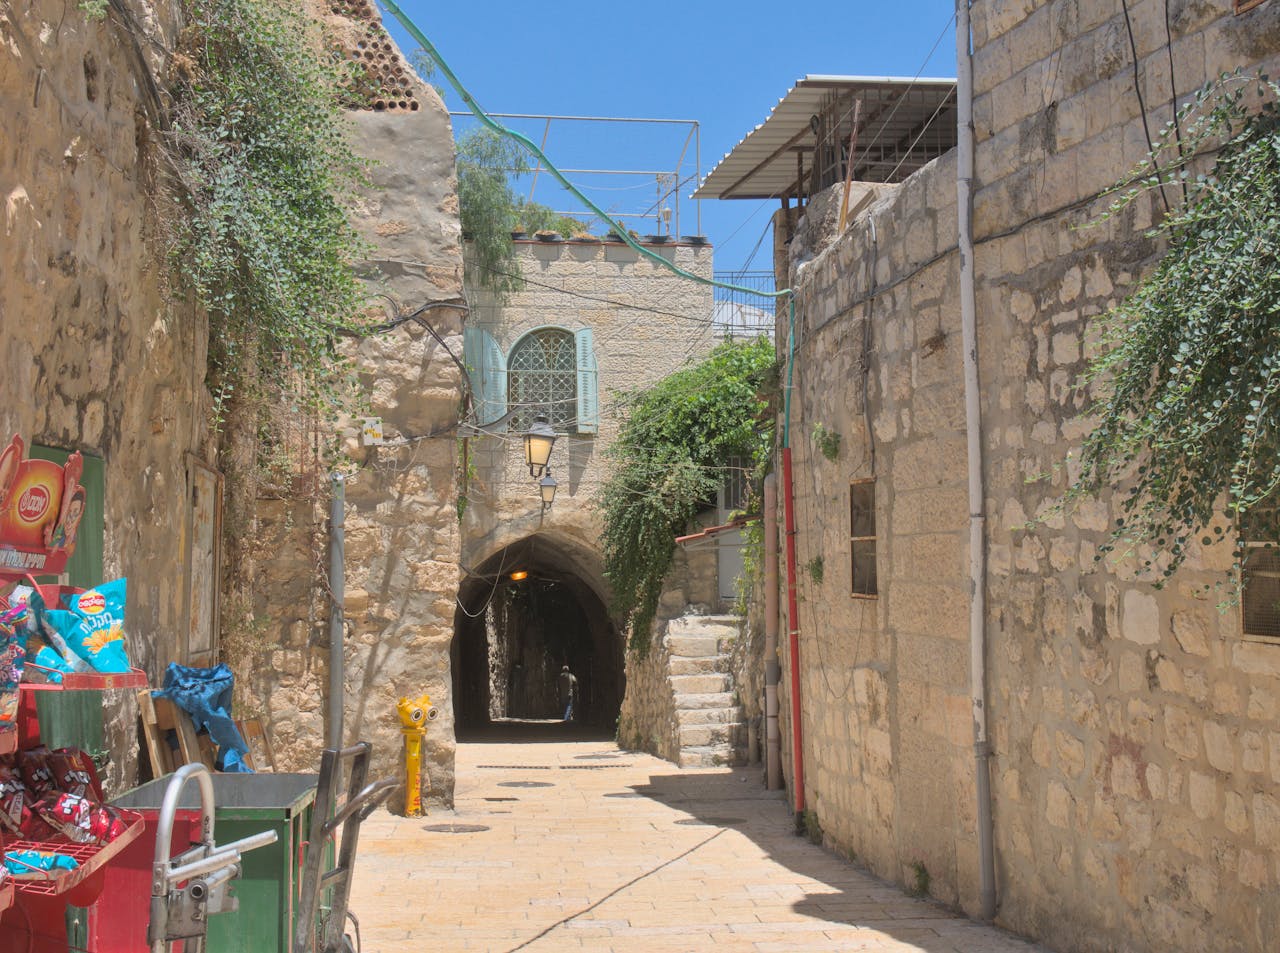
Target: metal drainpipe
{"points": [[337, 596], [973, 434], [772, 670], [793, 630]]}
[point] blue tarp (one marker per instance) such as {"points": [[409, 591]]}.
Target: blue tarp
{"points": [[205, 694]]}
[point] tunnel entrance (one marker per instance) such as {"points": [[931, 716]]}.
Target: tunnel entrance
{"points": [[522, 614]]}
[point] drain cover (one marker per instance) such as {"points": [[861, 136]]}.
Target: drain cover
{"points": [[596, 757], [502, 799], [456, 828], [624, 794], [712, 821], [591, 767], [525, 784], [515, 767]]}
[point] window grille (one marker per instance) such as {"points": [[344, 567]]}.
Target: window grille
{"points": [[542, 375], [862, 537], [736, 489], [1260, 591]]}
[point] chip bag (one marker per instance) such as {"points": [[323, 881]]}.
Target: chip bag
{"points": [[94, 626], [15, 813], [13, 657], [19, 862]]}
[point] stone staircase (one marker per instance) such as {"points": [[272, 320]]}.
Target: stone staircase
{"points": [[708, 718]]}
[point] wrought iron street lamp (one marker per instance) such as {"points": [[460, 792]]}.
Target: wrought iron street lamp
{"points": [[537, 445], [548, 487]]}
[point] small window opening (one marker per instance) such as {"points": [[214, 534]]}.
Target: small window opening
{"points": [[862, 537], [1260, 591]]}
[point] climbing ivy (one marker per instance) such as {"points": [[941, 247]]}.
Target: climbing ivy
{"points": [[667, 464], [1188, 379], [258, 144]]}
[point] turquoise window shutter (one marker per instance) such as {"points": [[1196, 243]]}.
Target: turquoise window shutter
{"points": [[487, 371], [588, 402]]}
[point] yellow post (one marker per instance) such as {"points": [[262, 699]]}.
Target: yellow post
{"points": [[414, 715]]}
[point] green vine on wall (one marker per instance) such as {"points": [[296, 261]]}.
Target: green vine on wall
{"points": [[668, 462], [259, 146], [1188, 379]]}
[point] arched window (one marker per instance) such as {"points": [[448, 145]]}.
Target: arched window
{"points": [[542, 378]]}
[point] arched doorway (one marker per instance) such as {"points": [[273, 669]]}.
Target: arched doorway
{"points": [[523, 613]]}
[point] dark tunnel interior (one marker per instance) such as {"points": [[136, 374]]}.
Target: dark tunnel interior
{"points": [[523, 614]]}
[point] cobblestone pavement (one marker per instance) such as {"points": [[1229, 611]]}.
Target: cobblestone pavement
{"points": [[582, 846]]}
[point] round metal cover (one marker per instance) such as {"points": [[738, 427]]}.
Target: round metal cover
{"points": [[525, 784], [712, 821], [456, 828]]}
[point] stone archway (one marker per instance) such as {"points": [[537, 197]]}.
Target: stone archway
{"points": [[527, 609]]}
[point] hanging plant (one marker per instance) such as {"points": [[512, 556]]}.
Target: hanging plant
{"points": [[1188, 380]]}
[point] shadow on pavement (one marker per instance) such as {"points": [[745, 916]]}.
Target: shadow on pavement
{"points": [[739, 801], [531, 730]]}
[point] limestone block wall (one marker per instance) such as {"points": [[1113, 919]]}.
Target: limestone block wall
{"points": [[401, 524], [1134, 771], [96, 358]]}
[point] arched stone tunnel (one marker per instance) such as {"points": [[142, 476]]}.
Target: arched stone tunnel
{"points": [[525, 611]]}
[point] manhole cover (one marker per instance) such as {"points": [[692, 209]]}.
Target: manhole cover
{"points": [[456, 828], [712, 821], [525, 784], [502, 799]]}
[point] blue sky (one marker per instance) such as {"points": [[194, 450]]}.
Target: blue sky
{"points": [[723, 64]]}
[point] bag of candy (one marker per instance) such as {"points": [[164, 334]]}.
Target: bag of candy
{"points": [[80, 820], [37, 776], [15, 812], [94, 626], [73, 773]]}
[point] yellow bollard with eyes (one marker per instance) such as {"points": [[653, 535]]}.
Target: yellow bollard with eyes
{"points": [[415, 714]]}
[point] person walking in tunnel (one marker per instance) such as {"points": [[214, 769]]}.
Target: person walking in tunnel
{"points": [[568, 692]]}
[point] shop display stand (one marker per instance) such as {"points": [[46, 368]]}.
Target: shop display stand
{"points": [[90, 857]]}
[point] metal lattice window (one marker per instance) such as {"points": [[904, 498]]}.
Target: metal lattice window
{"points": [[542, 379], [1260, 596]]}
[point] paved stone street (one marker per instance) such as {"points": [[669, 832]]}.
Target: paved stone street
{"points": [[586, 847]]}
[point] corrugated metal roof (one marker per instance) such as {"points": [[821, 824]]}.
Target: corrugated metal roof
{"points": [[904, 124]]}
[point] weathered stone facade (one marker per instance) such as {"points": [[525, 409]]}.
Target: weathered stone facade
{"points": [[401, 525], [97, 357], [646, 323], [1136, 753]]}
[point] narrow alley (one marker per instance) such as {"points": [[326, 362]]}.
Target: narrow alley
{"points": [[577, 845]]}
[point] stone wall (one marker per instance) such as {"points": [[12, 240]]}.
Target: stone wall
{"points": [[97, 358], [1135, 772], [402, 538]]}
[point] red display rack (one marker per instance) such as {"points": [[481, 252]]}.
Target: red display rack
{"points": [[90, 857], [134, 678], [7, 890]]}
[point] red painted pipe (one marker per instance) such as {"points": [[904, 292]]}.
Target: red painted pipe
{"points": [[793, 629]]}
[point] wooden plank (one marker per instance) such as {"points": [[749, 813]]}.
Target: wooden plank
{"points": [[261, 757], [189, 748], [157, 744]]}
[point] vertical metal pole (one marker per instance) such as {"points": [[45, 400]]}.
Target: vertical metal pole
{"points": [[697, 148], [337, 596]]}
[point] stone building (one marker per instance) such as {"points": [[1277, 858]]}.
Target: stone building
{"points": [[592, 320], [98, 357], [1135, 759]]}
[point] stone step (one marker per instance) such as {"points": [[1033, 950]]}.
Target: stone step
{"points": [[695, 646], [709, 716], [699, 629], [708, 756], [692, 736], [700, 684], [704, 700], [706, 665]]}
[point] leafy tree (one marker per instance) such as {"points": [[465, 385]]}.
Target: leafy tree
{"points": [[667, 463], [1189, 378]]}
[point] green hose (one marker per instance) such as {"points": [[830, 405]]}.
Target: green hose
{"points": [[529, 144]]}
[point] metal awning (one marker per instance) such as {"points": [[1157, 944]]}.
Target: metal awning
{"points": [[802, 147]]}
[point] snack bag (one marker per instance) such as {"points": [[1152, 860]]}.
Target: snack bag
{"points": [[13, 657], [36, 774], [45, 666], [40, 623], [73, 772], [78, 819], [14, 809], [19, 862], [95, 630]]}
